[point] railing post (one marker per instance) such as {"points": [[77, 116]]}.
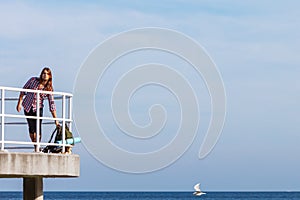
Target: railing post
{"points": [[2, 117], [37, 149], [64, 123], [70, 112]]}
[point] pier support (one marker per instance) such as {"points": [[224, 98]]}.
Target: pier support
{"points": [[33, 188]]}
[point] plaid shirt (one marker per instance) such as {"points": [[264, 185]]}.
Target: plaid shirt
{"points": [[30, 99]]}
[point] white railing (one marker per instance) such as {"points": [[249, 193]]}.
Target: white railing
{"points": [[66, 99]]}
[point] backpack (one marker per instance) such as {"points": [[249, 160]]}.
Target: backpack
{"points": [[58, 139]]}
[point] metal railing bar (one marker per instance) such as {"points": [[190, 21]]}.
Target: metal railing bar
{"points": [[35, 91], [22, 123], [63, 123], [34, 117], [35, 143], [16, 98]]}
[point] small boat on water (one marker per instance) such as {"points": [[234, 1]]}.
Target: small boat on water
{"points": [[198, 192]]}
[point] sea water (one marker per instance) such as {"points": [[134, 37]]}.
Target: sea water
{"points": [[156, 195]]}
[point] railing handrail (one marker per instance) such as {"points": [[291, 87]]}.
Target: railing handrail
{"points": [[64, 96], [35, 91]]}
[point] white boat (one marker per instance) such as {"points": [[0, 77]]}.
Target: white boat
{"points": [[198, 192]]}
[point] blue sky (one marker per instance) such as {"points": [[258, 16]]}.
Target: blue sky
{"points": [[254, 44]]}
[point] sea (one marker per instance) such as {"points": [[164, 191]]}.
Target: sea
{"points": [[156, 195]]}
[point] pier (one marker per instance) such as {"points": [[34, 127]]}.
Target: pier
{"points": [[32, 167]]}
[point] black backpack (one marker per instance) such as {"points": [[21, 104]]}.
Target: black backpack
{"points": [[58, 137]]}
